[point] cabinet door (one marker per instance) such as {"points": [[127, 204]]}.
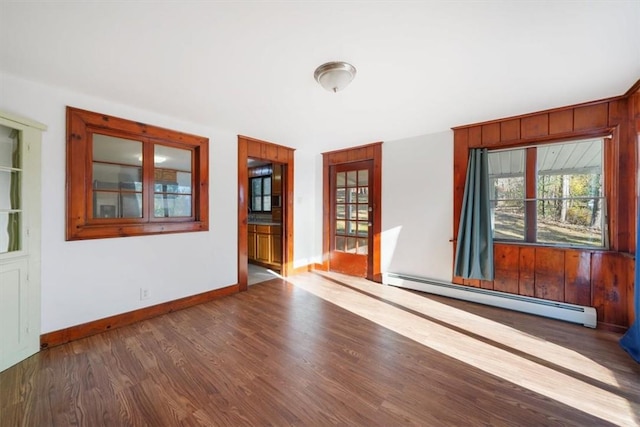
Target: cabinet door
{"points": [[251, 246], [263, 249], [276, 249]]}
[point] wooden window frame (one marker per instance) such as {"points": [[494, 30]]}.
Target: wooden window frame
{"points": [[81, 224]]}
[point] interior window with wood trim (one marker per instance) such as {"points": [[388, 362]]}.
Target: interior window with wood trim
{"points": [[126, 178], [551, 194]]}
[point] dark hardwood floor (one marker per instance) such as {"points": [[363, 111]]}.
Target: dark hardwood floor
{"points": [[326, 349]]}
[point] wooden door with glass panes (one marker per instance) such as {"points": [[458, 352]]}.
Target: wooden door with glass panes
{"points": [[351, 218]]}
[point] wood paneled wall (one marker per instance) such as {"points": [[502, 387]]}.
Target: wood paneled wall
{"points": [[598, 278]]}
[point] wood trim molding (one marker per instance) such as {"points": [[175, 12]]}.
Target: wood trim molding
{"points": [[73, 333], [550, 111], [263, 150]]}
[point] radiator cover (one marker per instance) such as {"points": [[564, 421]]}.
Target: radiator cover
{"points": [[582, 315]]}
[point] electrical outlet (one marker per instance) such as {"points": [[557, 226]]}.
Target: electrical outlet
{"points": [[144, 294]]}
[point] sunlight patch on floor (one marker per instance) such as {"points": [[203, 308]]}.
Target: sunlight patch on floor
{"points": [[483, 356], [495, 331]]}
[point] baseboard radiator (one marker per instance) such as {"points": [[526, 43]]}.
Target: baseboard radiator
{"points": [[556, 310]]}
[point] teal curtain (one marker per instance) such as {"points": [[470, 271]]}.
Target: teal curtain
{"points": [[630, 341], [474, 249], [13, 228]]}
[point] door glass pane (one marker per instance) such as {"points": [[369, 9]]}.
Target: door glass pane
{"points": [[10, 190], [351, 195], [363, 178], [363, 195], [351, 245], [362, 247], [351, 178], [340, 195], [351, 227], [352, 211], [340, 212], [340, 227], [340, 241], [363, 212], [340, 179], [363, 228]]}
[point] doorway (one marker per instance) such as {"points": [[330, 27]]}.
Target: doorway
{"points": [[271, 230], [352, 221]]}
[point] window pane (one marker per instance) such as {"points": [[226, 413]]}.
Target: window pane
{"points": [[131, 205], [266, 203], [256, 187], [569, 192], [177, 159], [507, 193], [168, 206], [106, 204], [582, 224], [508, 220], [266, 186], [256, 203], [110, 149], [116, 177]]}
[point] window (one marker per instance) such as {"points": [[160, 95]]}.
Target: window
{"points": [[261, 194], [126, 178], [560, 201]]}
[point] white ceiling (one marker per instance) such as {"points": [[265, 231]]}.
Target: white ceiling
{"points": [[247, 66]]}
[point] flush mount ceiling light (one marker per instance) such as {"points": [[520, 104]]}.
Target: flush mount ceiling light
{"points": [[335, 76]]}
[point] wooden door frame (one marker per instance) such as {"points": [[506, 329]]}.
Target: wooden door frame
{"points": [[254, 148], [364, 152]]}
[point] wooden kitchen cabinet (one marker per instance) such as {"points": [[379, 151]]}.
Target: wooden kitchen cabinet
{"points": [[265, 245], [251, 246]]}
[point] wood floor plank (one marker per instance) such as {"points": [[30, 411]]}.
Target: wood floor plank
{"points": [[326, 349]]}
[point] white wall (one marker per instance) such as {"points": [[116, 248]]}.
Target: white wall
{"points": [[417, 206], [91, 279]]}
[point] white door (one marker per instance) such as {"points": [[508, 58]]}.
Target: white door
{"points": [[19, 239]]}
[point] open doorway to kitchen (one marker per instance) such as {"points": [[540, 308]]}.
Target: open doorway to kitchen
{"points": [[265, 210]]}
